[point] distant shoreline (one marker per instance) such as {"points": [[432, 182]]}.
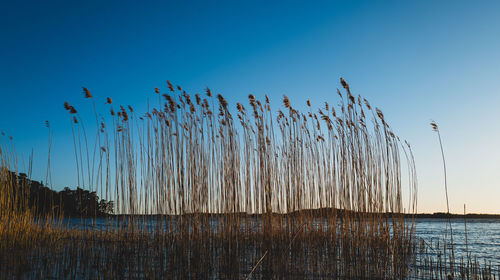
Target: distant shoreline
{"points": [[456, 216], [325, 211]]}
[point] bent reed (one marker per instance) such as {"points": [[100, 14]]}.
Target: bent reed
{"points": [[200, 194]]}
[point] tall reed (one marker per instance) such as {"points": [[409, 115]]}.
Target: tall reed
{"points": [[207, 174], [204, 190]]}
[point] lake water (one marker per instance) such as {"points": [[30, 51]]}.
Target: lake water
{"points": [[483, 236]]}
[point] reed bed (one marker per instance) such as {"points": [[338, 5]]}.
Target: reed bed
{"points": [[201, 194]]}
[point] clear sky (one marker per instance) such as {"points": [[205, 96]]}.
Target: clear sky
{"points": [[417, 60]]}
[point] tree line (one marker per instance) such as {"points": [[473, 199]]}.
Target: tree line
{"points": [[43, 201]]}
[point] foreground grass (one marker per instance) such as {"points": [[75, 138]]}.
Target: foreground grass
{"points": [[208, 176], [43, 251], [38, 251]]}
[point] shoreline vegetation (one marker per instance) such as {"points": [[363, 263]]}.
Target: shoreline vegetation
{"points": [[70, 203], [189, 158], [325, 212], [76, 203]]}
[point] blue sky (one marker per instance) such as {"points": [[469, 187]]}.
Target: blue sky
{"points": [[417, 60]]}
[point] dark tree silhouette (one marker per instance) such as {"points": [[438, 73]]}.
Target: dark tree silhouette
{"points": [[71, 203]]}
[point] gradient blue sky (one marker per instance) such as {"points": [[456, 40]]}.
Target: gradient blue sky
{"points": [[417, 60]]}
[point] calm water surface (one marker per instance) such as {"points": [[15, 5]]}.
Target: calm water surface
{"points": [[483, 235]]}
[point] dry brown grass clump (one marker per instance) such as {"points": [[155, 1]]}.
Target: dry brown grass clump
{"points": [[283, 194]]}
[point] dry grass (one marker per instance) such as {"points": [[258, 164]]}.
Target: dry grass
{"points": [[212, 196]]}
